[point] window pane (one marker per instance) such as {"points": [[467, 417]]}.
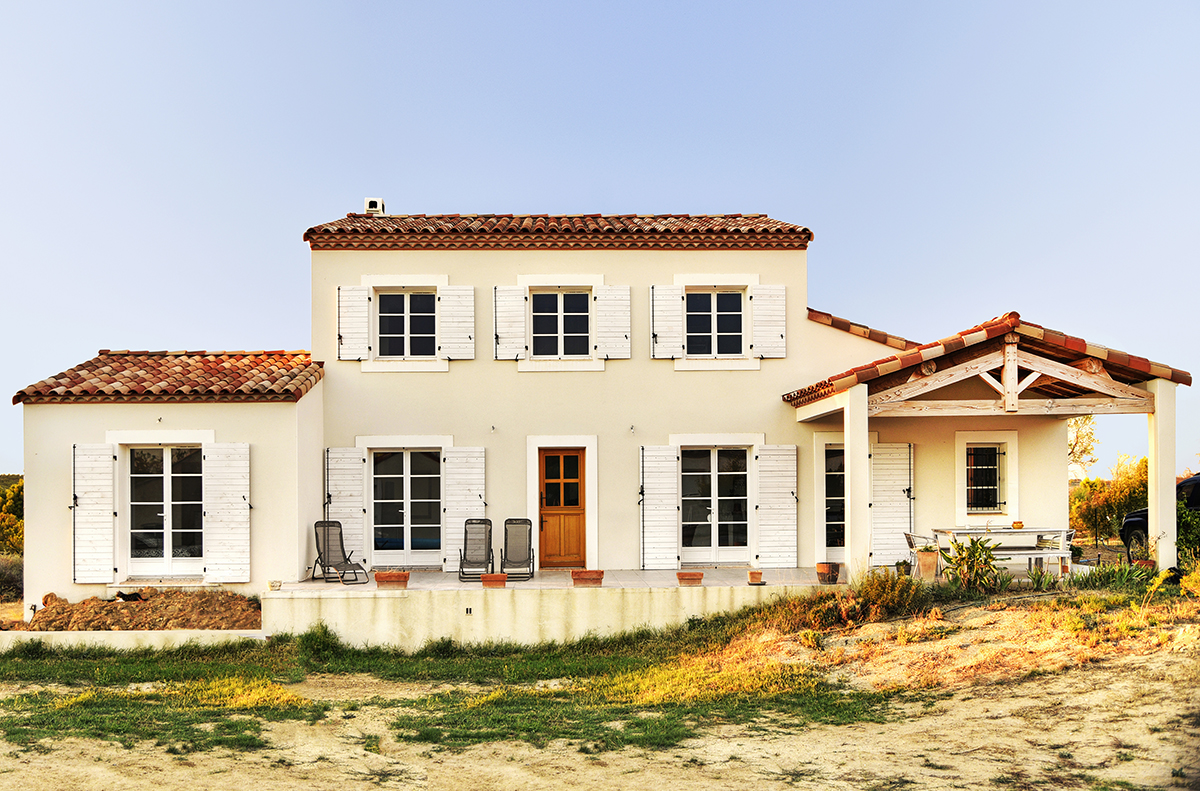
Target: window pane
{"points": [[391, 303], [729, 344], [731, 485], [835, 510], [146, 461], [575, 303], [426, 537], [731, 461], [389, 538], [391, 347], [570, 466], [697, 486], [427, 489], [553, 498], [545, 345], [186, 460], [391, 325], [426, 513], [389, 488], [146, 489], [421, 325], [699, 322], [146, 545], [426, 462], [545, 324], [186, 489], [187, 545], [835, 460], [422, 303], [731, 510], [389, 513], [187, 517], [699, 303], [835, 484], [697, 535], [571, 493], [145, 517], [699, 344], [552, 468], [729, 322], [696, 510], [835, 535], [729, 303], [389, 463], [575, 325], [732, 535], [696, 460], [545, 303], [575, 345], [422, 346]]}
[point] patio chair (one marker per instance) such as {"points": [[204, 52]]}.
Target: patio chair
{"points": [[516, 558], [475, 558], [915, 541], [332, 560]]}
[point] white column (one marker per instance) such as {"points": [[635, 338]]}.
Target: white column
{"points": [[1161, 481], [858, 481]]}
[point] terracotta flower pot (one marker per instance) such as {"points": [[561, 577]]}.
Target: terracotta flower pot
{"points": [[587, 578], [755, 576], [927, 565], [494, 580], [391, 580], [827, 573], [689, 579]]}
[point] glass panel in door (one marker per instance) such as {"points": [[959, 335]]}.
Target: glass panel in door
{"points": [[714, 505], [406, 508]]}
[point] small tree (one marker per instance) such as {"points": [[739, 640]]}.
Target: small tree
{"points": [[1081, 443], [12, 519], [1098, 506]]}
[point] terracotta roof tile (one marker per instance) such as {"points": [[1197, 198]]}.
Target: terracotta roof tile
{"points": [[555, 231], [180, 376], [861, 330], [1135, 368]]}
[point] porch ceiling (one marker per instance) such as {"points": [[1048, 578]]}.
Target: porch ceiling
{"points": [[1045, 364]]}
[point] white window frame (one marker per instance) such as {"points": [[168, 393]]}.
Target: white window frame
{"points": [[167, 565], [401, 442], [411, 284], [1006, 442], [715, 283], [747, 442], [378, 335], [560, 317], [562, 283]]}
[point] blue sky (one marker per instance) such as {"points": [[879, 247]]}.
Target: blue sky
{"points": [[159, 162]]}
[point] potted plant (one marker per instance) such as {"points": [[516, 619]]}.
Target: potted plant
{"points": [[927, 561], [587, 578], [827, 573], [689, 579], [755, 576], [903, 568]]}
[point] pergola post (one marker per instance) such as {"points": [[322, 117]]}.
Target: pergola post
{"points": [[856, 440], [1161, 471]]}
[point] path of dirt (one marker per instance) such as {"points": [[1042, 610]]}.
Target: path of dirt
{"points": [[1132, 717]]}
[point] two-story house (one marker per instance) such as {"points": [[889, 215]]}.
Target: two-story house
{"points": [[615, 379]]}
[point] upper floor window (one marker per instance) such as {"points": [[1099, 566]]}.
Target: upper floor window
{"points": [[714, 323], [561, 323], [407, 324]]}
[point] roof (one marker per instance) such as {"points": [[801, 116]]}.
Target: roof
{"points": [[1053, 344], [861, 330], [556, 231], [129, 376]]}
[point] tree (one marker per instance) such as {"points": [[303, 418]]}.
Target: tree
{"points": [[1098, 506], [12, 519], [1081, 443]]}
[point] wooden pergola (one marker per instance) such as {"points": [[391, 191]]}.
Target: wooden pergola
{"points": [[1032, 371]]}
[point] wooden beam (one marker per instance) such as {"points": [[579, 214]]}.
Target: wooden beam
{"points": [[1009, 374], [1026, 406], [1027, 381], [940, 379], [1092, 365], [1082, 378], [991, 382]]}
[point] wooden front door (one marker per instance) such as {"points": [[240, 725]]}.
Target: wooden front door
{"points": [[561, 512]]}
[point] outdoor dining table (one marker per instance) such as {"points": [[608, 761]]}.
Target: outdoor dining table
{"points": [[1026, 545]]}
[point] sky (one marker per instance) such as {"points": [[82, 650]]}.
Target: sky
{"points": [[159, 162]]}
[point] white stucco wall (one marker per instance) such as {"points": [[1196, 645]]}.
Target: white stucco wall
{"points": [[285, 480], [635, 402]]}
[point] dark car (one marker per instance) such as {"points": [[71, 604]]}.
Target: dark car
{"points": [[1134, 530]]}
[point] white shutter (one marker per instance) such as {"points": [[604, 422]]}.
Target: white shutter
{"points": [[891, 508], [612, 322], [776, 506], [226, 469], [456, 317], [666, 322], [660, 507], [463, 495], [768, 308], [354, 322], [509, 309], [93, 507], [345, 471]]}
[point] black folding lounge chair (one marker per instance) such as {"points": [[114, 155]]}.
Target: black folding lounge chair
{"points": [[516, 558], [332, 560], [475, 557]]}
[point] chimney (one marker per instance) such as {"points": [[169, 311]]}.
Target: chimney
{"points": [[373, 206]]}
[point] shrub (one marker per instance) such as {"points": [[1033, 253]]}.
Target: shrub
{"points": [[1187, 528], [972, 566], [12, 578], [882, 594]]}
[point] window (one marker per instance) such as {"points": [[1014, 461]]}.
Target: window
{"points": [[983, 479], [714, 489], [561, 323], [166, 510], [407, 324], [714, 323], [407, 506], [835, 497]]}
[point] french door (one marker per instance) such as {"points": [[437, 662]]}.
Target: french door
{"points": [[835, 504], [166, 511], [406, 508], [716, 524]]}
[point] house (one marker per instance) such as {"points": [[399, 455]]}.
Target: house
{"points": [[615, 379]]}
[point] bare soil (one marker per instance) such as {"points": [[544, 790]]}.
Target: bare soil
{"points": [[155, 609], [1003, 697]]}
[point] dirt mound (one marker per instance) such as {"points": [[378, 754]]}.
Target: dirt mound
{"points": [[170, 609]]}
